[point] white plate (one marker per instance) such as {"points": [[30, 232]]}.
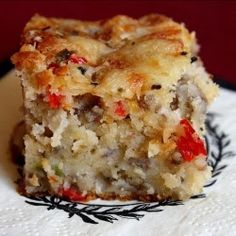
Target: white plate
{"points": [[214, 214]]}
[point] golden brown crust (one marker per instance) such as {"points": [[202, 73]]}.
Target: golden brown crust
{"points": [[27, 60], [114, 48], [118, 45]]}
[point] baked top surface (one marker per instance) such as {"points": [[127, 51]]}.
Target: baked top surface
{"points": [[123, 57]]}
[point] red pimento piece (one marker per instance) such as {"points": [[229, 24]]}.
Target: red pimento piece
{"points": [[71, 194], [187, 126], [76, 59], [55, 100], [189, 144], [120, 109]]}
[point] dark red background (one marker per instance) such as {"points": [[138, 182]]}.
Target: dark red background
{"points": [[214, 22]]}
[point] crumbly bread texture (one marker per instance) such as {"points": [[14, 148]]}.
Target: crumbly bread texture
{"points": [[113, 108]]}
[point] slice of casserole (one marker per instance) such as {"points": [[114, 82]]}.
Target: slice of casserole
{"points": [[113, 108]]}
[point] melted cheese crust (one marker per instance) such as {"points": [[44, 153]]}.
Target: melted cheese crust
{"points": [[122, 54]]}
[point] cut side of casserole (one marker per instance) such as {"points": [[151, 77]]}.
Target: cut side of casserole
{"points": [[113, 109]]}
